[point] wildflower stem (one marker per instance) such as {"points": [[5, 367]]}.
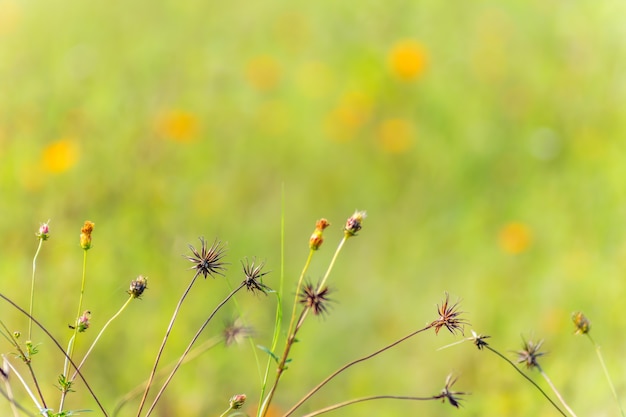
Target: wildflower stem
{"points": [[279, 308], [373, 397], [26, 358], [72, 343], [556, 392], [193, 340], [167, 334], [606, 373], [282, 363], [32, 290], [527, 378], [332, 262], [349, 364], [100, 334], [30, 393], [208, 344], [58, 345]]}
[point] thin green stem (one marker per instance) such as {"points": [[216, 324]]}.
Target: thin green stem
{"points": [[606, 374], [279, 307], [350, 364], [162, 347], [527, 378], [370, 398], [332, 262], [93, 344], [78, 313], [32, 290], [193, 340], [556, 392]]}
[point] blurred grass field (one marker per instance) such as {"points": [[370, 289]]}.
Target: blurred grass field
{"points": [[486, 140]]}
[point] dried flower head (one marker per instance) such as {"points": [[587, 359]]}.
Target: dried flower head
{"points": [[353, 224], [449, 317], [138, 286], [479, 340], [317, 239], [237, 401], [85, 235], [208, 261], [315, 298], [44, 231], [253, 276], [582, 323], [234, 332], [451, 396], [530, 353]]}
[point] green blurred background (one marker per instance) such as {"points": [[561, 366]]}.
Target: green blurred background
{"points": [[485, 140]]}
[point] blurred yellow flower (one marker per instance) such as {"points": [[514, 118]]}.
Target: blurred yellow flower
{"points": [[515, 238], [407, 59], [178, 125], [263, 72], [351, 113], [59, 156], [395, 135], [10, 13]]}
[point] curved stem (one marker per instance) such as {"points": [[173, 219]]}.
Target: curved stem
{"points": [[556, 392], [527, 378], [58, 345], [80, 365], [167, 334], [370, 398], [32, 290], [182, 357], [348, 365]]}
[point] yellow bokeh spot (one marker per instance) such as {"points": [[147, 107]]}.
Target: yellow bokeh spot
{"points": [[351, 113], [515, 238], [59, 156], [263, 72], [395, 135], [10, 13], [407, 60], [179, 126]]}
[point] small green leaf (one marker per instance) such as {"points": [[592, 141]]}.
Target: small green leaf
{"points": [[269, 352]]}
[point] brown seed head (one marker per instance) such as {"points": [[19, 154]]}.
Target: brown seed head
{"points": [[138, 286], [208, 261], [449, 317]]}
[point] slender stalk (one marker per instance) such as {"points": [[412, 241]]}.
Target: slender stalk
{"points": [[26, 358], [292, 333], [278, 319], [184, 355], [80, 307], [370, 398], [58, 345], [167, 334], [527, 378], [32, 290], [30, 393], [72, 343], [332, 262], [9, 393], [606, 374], [208, 344], [349, 364], [282, 363], [93, 344], [556, 392]]}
